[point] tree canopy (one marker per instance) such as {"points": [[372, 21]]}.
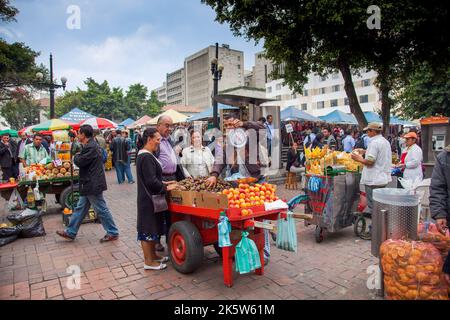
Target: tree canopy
{"points": [[323, 36], [112, 103], [21, 110]]}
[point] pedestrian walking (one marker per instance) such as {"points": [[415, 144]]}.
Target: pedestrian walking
{"points": [[92, 185]]}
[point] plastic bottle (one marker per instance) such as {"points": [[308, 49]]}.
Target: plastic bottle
{"points": [[37, 194], [30, 198]]}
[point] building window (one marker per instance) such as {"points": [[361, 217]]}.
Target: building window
{"points": [[335, 76], [334, 103], [278, 86], [269, 89], [336, 88], [239, 58], [294, 96], [346, 102], [278, 97], [305, 92], [239, 66], [320, 104], [364, 99], [304, 106], [323, 78], [365, 83], [322, 91]]}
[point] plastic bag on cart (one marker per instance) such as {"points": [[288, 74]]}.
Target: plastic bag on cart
{"points": [[32, 228], [15, 202], [22, 216], [287, 233], [4, 241], [247, 256], [224, 229], [278, 204]]}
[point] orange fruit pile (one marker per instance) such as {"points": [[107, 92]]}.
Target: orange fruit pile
{"points": [[247, 196]]}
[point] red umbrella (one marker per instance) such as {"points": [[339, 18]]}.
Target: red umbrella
{"points": [[99, 123]]}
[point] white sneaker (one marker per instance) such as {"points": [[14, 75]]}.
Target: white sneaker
{"points": [[161, 266]]}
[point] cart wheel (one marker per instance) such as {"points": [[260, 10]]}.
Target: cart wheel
{"points": [[217, 248], [319, 234], [185, 246], [360, 228], [66, 200]]}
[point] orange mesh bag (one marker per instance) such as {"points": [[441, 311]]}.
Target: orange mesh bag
{"points": [[412, 271]]}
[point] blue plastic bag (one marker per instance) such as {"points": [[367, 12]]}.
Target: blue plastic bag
{"points": [[247, 256], [224, 229], [287, 233]]}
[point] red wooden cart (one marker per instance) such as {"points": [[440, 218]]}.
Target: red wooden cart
{"points": [[193, 228]]}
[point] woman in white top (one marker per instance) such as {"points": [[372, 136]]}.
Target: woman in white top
{"points": [[197, 160], [412, 157]]}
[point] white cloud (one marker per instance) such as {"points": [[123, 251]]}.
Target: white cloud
{"points": [[143, 56]]}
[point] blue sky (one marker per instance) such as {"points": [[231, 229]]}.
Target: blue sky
{"points": [[122, 41]]}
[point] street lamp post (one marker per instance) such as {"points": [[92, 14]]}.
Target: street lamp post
{"points": [[216, 71], [52, 86]]}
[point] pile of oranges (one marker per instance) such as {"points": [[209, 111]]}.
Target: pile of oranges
{"points": [[247, 196]]}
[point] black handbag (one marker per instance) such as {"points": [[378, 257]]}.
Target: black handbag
{"points": [[159, 200]]}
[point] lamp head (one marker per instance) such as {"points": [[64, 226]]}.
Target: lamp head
{"points": [[39, 76]]}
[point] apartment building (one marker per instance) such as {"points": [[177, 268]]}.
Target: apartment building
{"points": [[175, 92], [199, 81], [321, 95], [161, 92], [261, 72]]}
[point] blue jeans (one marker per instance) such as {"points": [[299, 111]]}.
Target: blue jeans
{"points": [[82, 209], [128, 170]]}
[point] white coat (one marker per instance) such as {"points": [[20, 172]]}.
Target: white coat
{"points": [[413, 163]]}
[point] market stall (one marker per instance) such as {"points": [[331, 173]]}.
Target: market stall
{"points": [[332, 189], [199, 219]]}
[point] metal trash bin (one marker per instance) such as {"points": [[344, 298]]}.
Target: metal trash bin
{"points": [[395, 216]]}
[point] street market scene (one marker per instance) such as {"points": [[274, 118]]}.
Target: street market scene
{"points": [[319, 172]]}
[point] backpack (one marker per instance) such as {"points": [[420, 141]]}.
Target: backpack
{"points": [[103, 152], [359, 144]]}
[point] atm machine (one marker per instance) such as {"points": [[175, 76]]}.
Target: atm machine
{"points": [[435, 137]]}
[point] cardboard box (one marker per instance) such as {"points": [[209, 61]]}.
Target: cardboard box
{"points": [[212, 200], [185, 198]]}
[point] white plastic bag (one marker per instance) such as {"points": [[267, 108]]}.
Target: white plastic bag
{"points": [[279, 204], [15, 202]]}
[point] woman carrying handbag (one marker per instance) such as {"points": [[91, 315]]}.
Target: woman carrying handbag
{"points": [[151, 200]]}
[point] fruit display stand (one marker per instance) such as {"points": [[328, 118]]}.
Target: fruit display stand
{"points": [[332, 202], [195, 216]]}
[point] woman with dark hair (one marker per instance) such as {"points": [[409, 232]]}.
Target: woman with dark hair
{"points": [[197, 160], [318, 141], [150, 224]]}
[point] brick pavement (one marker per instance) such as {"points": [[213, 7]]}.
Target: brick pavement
{"points": [[37, 268]]}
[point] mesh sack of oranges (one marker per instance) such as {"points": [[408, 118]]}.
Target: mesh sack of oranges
{"points": [[412, 271]]}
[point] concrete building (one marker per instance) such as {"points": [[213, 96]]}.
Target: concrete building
{"points": [[176, 87], [321, 95], [161, 92], [261, 73], [199, 81]]}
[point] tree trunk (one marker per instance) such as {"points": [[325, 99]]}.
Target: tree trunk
{"points": [[385, 102], [349, 87]]}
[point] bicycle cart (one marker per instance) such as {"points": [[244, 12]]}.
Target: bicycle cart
{"points": [[332, 202], [194, 228]]}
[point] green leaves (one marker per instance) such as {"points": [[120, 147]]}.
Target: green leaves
{"points": [[103, 101]]}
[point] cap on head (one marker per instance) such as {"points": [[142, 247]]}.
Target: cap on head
{"points": [[374, 126], [410, 135]]}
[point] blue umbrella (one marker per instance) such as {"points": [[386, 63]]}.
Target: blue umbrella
{"points": [[208, 113], [292, 113], [372, 116], [337, 116]]}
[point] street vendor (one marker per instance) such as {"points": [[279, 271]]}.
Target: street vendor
{"points": [[377, 162], [245, 169], [34, 152]]}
